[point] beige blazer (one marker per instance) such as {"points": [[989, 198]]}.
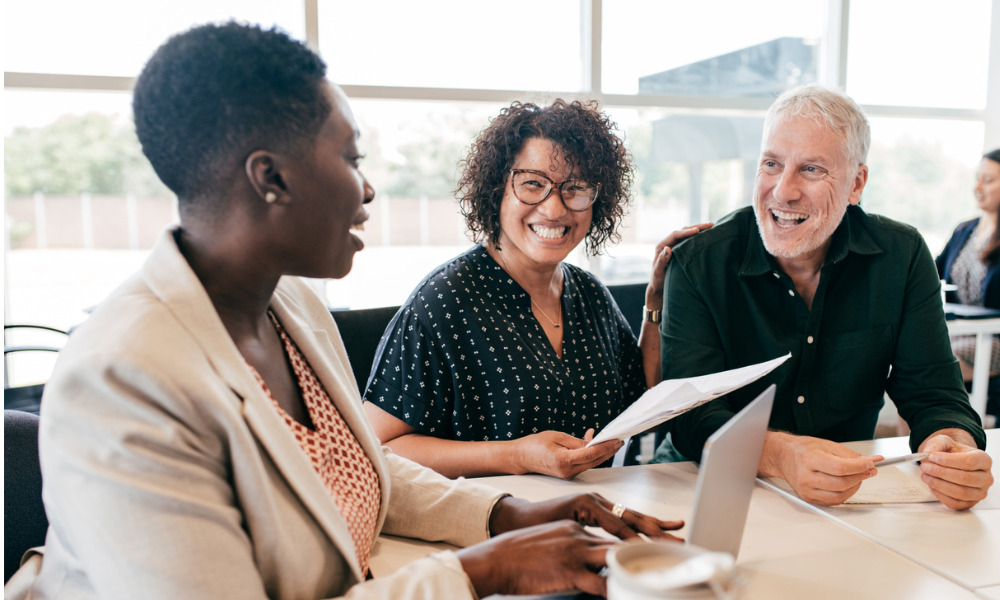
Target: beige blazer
{"points": [[168, 473]]}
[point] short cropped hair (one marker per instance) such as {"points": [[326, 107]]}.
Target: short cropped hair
{"points": [[213, 94], [829, 108], [587, 139]]}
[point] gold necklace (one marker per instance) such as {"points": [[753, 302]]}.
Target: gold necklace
{"points": [[554, 324], [533, 303]]}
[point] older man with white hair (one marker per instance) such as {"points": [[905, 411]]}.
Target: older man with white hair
{"points": [[854, 297]]}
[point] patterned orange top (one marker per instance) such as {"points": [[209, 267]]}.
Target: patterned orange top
{"points": [[335, 453]]}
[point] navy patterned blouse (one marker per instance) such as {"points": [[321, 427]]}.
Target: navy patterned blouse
{"points": [[465, 358]]}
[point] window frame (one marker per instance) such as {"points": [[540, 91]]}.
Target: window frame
{"points": [[832, 71]]}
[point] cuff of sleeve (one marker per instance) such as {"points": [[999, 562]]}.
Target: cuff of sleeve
{"points": [[492, 513], [451, 562]]}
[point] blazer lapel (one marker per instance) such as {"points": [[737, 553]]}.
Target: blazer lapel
{"points": [[171, 279], [288, 457], [328, 360]]}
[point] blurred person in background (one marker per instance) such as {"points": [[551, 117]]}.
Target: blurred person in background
{"points": [[971, 262]]}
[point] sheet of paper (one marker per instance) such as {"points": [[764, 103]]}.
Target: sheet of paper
{"points": [[673, 397], [897, 484]]}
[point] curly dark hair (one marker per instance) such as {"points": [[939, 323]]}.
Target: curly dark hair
{"points": [[213, 94], [586, 137]]}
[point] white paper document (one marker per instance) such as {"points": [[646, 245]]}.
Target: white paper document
{"points": [[897, 484], [673, 397]]}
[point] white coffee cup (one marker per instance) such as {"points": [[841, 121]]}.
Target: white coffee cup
{"points": [[641, 570]]}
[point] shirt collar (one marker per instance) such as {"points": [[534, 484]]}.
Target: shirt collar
{"points": [[850, 236]]}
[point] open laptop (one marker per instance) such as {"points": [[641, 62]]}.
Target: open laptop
{"points": [[965, 311], [727, 477]]}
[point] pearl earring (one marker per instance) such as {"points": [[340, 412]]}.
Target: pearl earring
{"points": [[270, 197]]}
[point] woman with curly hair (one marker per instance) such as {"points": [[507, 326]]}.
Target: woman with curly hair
{"points": [[505, 352]]}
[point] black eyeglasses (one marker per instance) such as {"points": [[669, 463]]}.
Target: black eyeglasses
{"points": [[532, 187]]}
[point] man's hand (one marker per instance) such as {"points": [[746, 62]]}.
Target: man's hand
{"points": [[957, 473], [820, 471], [561, 455]]}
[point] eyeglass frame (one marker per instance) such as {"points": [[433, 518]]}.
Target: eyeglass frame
{"points": [[597, 189]]}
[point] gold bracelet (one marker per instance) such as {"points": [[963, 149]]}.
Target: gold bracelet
{"points": [[653, 316]]}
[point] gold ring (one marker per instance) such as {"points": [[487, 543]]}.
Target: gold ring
{"points": [[618, 510]]}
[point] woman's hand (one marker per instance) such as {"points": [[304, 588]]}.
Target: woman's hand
{"points": [[534, 555], [559, 454], [587, 509], [649, 335], [552, 557], [543, 546], [664, 251]]}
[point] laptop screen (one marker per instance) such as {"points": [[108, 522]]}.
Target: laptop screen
{"points": [[727, 477]]}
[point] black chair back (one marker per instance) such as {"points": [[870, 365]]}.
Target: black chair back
{"points": [[24, 520], [361, 330], [630, 298], [28, 397]]}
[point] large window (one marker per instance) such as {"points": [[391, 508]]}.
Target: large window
{"points": [[513, 45], [688, 83], [934, 57], [714, 47], [115, 37]]}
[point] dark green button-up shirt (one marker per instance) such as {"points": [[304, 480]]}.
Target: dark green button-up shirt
{"points": [[876, 327]]}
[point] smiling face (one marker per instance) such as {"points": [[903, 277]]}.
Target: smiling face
{"points": [[987, 188], [328, 194], [804, 184], [543, 235]]}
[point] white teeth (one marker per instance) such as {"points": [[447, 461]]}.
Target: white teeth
{"points": [[549, 233], [789, 216], [358, 226], [787, 220]]}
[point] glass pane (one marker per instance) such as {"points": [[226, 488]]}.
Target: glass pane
{"points": [[514, 45], [116, 37], [689, 169], [411, 152], [694, 168], [716, 47], [82, 205], [922, 172], [935, 56]]}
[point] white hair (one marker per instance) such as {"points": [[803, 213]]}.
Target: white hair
{"points": [[830, 108]]}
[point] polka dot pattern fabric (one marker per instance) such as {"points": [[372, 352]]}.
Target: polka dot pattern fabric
{"points": [[466, 359], [335, 453]]}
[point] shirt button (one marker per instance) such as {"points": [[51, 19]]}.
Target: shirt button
{"points": [[791, 293], [801, 399], [809, 340], [776, 276]]}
